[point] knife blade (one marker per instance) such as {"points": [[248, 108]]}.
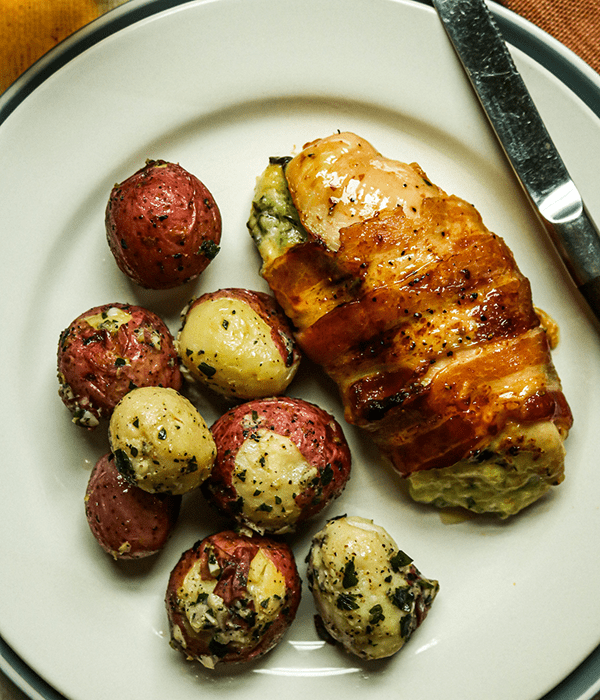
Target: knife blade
{"points": [[526, 142]]}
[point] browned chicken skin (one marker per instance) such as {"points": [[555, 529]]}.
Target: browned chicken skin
{"points": [[421, 316]]}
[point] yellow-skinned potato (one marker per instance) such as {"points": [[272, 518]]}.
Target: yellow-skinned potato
{"points": [[160, 441], [369, 595]]}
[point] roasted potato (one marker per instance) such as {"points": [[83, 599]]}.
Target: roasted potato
{"points": [[369, 595], [160, 441], [231, 598], [107, 351], [127, 522], [163, 225], [238, 343], [279, 461]]}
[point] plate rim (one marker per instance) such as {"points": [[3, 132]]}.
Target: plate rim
{"points": [[519, 32], [584, 681]]}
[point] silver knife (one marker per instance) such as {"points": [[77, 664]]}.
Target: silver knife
{"points": [[525, 139]]}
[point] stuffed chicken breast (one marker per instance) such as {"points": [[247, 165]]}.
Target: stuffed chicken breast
{"points": [[421, 316]]}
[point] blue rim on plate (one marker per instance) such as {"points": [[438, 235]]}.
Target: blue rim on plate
{"points": [[584, 681]]}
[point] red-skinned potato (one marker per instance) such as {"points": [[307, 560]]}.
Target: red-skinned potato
{"points": [[231, 598], [163, 225], [238, 343], [127, 522], [279, 461], [107, 351]]}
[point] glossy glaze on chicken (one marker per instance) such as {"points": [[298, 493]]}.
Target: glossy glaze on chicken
{"points": [[421, 316]]}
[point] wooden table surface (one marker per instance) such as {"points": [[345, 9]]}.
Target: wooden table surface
{"points": [[30, 28]]}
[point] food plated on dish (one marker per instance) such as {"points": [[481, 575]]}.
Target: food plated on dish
{"points": [[269, 464], [420, 315], [160, 441], [424, 115]]}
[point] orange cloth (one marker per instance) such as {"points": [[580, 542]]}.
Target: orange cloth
{"points": [[575, 23], [30, 28]]}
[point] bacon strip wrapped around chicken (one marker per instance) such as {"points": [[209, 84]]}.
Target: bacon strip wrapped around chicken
{"points": [[423, 319]]}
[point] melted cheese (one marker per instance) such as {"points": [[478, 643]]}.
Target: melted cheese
{"points": [[274, 222], [517, 468]]}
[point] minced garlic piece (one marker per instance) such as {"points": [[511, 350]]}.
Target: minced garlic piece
{"points": [[109, 320]]}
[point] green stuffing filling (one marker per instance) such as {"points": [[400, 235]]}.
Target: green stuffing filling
{"points": [[274, 223], [501, 480]]}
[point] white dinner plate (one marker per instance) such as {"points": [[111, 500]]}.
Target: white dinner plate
{"points": [[219, 86]]}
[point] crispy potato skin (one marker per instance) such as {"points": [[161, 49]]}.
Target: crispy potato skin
{"points": [[233, 554], [318, 438], [101, 361], [239, 343], [127, 522], [163, 225]]}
